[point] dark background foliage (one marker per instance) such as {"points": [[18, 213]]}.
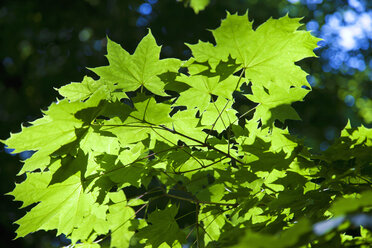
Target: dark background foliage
{"points": [[46, 44]]}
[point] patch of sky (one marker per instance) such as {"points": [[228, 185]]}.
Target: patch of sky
{"points": [[313, 26], [145, 9], [358, 5], [346, 34], [9, 151], [325, 226], [311, 80], [362, 220], [357, 62], [349, 100], [314, 1], [350, 16], [293, 1], [312, 4], [25, 155]]}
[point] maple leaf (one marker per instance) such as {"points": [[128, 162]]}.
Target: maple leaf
{"points": [[213, 224], [143, 68], [62, 206], [222, 111], [119, 218], [58, 127], [190, 149], [196, 5], [163, 228], [203, 87], [275, 104], [268, 53], [79, 91]]}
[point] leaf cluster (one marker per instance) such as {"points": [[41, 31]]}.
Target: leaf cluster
{"points": [[163, 152]]}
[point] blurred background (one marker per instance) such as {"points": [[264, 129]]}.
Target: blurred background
{"points": [[47, 44]]}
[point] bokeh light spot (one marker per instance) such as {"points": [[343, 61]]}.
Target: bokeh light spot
{"points": [[357, 5], [8, 62], [145, 9], [312, 25], [97, 45], [323, 146], [330, 133], [85, 34], [141, 22], [349, 100]]}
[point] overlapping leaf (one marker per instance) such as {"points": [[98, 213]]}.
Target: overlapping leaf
{"points": [[143, 68], [267, 55], [195, 169]]}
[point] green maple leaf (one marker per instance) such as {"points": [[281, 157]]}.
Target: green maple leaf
{"points": [[147, 109], [143, 68], [268, 53], [87, 245], [119, 217], [203, 87], [92, 225], [79, 91], [144, 120], [287, 238], [62, 206], [196, 5], [213, 224], [93, 146], [163, 228], [275, 103], [222, 111], [206, 52], [59, 127]]}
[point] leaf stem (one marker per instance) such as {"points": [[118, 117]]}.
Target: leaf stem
{"points": [[201, 202], [215, 122]]}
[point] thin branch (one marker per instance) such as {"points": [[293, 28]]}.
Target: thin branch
{"points": [[206, 166], [144, 112], [240, 78], [365, 179], [188, 235], [184, 215], [228, 135], [201, 202], [205, 230], [215, 122], [204, 144], [129, 164], [107, 235], [247, 112], [197, 160]]}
